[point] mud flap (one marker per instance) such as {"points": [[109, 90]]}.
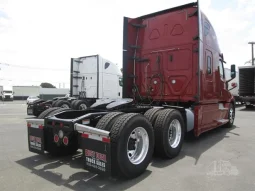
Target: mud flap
{"points": [[35, 135], [96, 150]]}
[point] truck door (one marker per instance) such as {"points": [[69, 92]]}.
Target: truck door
{"points": [[209, 85], [221, 82]]}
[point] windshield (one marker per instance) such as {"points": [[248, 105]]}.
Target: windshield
{"points": [[8, 92], [121, 81]]}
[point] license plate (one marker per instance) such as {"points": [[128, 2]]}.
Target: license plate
{"points": [[30, 111]]}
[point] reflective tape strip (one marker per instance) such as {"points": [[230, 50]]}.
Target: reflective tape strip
{"points": [[96, 137]]}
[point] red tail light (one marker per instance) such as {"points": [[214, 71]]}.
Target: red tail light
{"points": [[56, 138], [28, 124], [65, 140]]}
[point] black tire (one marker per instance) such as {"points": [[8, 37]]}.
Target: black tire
{"points": [[78, 104], [152, 115], [58, 111], [61, 103], [120, 132], [54, 103], [46, 112], [107, 121], [73, 104], [162, 125], [231, 123]]}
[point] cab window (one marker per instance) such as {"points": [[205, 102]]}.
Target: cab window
{"points": [[121, 81], [209, 65], [221, 69]]}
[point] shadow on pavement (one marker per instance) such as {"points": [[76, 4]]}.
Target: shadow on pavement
{"points": [[196, 147], [44, 167], [248, 109]]}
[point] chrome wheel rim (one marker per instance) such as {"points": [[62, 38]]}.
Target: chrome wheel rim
{"points": [[174, 133], [231, 115], [137, 145], [65, 106], [83, 106]]}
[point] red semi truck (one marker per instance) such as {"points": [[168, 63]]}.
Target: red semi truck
{"points": [[173, 84]]}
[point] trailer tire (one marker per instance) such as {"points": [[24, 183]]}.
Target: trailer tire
{"points": [[124, 126], [54, 103], [152, 115], [58, 111], [231, 116], [81, 105], [46, 112], [63, 104], [107, 121], [163, 147], [73, 104]]}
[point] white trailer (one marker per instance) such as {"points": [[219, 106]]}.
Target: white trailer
{"points": [[233, 84], [94, 77]]}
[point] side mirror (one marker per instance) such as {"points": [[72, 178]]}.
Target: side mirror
{"points": [[233, 71]]}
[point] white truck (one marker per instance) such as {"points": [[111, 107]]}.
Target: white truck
{"points": [[233, 85], [7, 93], [93, 77]]}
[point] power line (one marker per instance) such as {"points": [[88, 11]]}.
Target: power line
{"points": [[41, 81], [35, 68]]}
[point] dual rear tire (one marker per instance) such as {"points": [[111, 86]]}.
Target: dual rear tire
{"points": [[135, 137], [169, 130]]}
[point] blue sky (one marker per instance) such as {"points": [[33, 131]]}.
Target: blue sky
{"points": [[47, 33]]}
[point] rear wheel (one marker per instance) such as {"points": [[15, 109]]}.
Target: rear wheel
{"points": [[107, 121], [63, 104], [169, 133], [54, 103], [132, 143], [58, 111], [47, 112], [73, 104], [152, 114], [81, 105]]}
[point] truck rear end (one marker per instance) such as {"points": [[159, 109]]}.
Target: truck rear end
{"points": [[247, 85], [162, 62], [160, 57]]}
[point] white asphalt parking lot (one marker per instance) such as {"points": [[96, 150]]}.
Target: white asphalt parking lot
{"points": [[222, 159]]}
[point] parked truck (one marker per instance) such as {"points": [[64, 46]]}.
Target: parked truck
{"points": [[92, 77], [233, 85], [247, 85], [7, 93], [173, 83]]}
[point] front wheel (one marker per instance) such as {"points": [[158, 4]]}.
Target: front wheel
{"points": [[231, 116]]}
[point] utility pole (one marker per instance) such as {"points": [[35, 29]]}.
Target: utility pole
{"points": [[252, 53]]}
